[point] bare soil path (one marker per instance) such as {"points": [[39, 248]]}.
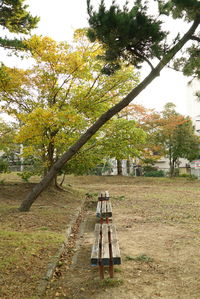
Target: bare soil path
{"points": [[158, 230]]}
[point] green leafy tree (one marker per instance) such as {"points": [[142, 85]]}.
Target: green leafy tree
{"points": [[138, 50], [123, 139], [185, 142], [7, 145], [15, 17]]}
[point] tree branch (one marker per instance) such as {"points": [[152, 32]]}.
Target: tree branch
{"points": [[196, 38], [142, 57]]}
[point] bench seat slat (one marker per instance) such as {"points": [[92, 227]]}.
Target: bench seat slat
{"points": [[115, 245], [109, 208], [104, 209], [95, 247], [107, 212], [105, 245], [98, 211]]}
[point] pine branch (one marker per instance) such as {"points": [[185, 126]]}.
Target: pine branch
{"points": [[196, 38]]}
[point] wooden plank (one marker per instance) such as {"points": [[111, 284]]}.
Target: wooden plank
{"points": [[105, 245], [98, 210], [109, 209], [95, 247], [115, 245], [103, 209]]}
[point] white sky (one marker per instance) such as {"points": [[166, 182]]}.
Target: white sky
{"points": [[58, 19]]}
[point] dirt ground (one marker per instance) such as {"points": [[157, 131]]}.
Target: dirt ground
{"points": [[158, 229]]}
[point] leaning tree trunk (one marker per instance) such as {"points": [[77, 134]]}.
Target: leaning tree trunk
{"points": [[32, 196]]}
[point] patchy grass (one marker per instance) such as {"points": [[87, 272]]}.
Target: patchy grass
{"points": [[120, 197], [29, 240], [140, 258], [25, 247], [110, 282]]}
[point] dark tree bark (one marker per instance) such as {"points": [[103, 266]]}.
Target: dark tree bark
{"points": [[128, 166], [119, 167], [32, 196]]}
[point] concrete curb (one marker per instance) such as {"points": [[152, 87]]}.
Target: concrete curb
{"points": [[55, 259]]}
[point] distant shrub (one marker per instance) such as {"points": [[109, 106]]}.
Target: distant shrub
{"points": [[154, 173], [184, 175], [3, 165], [25, 175], [149, 168], [188, 176]]}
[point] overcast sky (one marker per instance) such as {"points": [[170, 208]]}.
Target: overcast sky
{"points": [[58, 19]]}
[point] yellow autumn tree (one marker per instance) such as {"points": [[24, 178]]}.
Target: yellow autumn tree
{"points": [[61, 95]]}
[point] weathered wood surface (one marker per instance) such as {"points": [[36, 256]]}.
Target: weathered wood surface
{"points": [[95, 247], [105, 256], [104, 209], [115, 245], [100, 249]]}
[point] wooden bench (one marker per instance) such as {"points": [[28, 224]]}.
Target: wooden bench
{"points": [[105, 250], [104, 210]]}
